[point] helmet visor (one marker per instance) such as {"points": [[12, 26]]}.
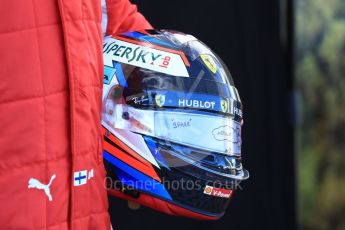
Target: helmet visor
{"points": [[190, 128]]}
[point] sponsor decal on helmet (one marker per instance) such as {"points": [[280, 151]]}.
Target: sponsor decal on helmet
{"points": [[197, 101], [218, 192], [139, 100], [196, 104], [208, 190], [181, 124], [209, 62], [227, 133], [236, 108], [224, 105], [143, 56], [238, 112], [160, 100], [183, 100]]}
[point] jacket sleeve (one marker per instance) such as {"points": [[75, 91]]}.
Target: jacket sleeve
{"points": [[123, 16]]}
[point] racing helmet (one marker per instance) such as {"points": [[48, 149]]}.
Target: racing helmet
{"points": [[171, 121]]}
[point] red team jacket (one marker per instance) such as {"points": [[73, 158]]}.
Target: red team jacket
{"points": [[51, 73]]}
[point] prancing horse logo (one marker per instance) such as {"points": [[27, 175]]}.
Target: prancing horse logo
{"points": [[160, 100], [34, 183]]}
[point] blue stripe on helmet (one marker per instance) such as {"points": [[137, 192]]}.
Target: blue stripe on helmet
{"points": [[147, 38], [137, 180], [119, 74]]}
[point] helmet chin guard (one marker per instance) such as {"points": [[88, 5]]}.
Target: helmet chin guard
{"points": [[172, 122]]}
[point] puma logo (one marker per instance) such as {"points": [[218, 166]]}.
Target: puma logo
{"points": [[34, 183]]}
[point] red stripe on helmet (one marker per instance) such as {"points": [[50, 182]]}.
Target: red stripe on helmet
{"points": [[163, 206], [147, 169]]}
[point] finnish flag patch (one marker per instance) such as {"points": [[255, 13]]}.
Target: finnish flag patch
{"points": [[81, 177]]}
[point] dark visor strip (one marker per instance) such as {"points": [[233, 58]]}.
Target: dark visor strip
{"points": [[197, 101]]}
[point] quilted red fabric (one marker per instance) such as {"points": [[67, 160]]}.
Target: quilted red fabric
{"points": [[50, 101]]}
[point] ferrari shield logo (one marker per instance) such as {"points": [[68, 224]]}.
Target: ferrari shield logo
{"points": [[224, 105], [209, 62], [160, 100]]}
